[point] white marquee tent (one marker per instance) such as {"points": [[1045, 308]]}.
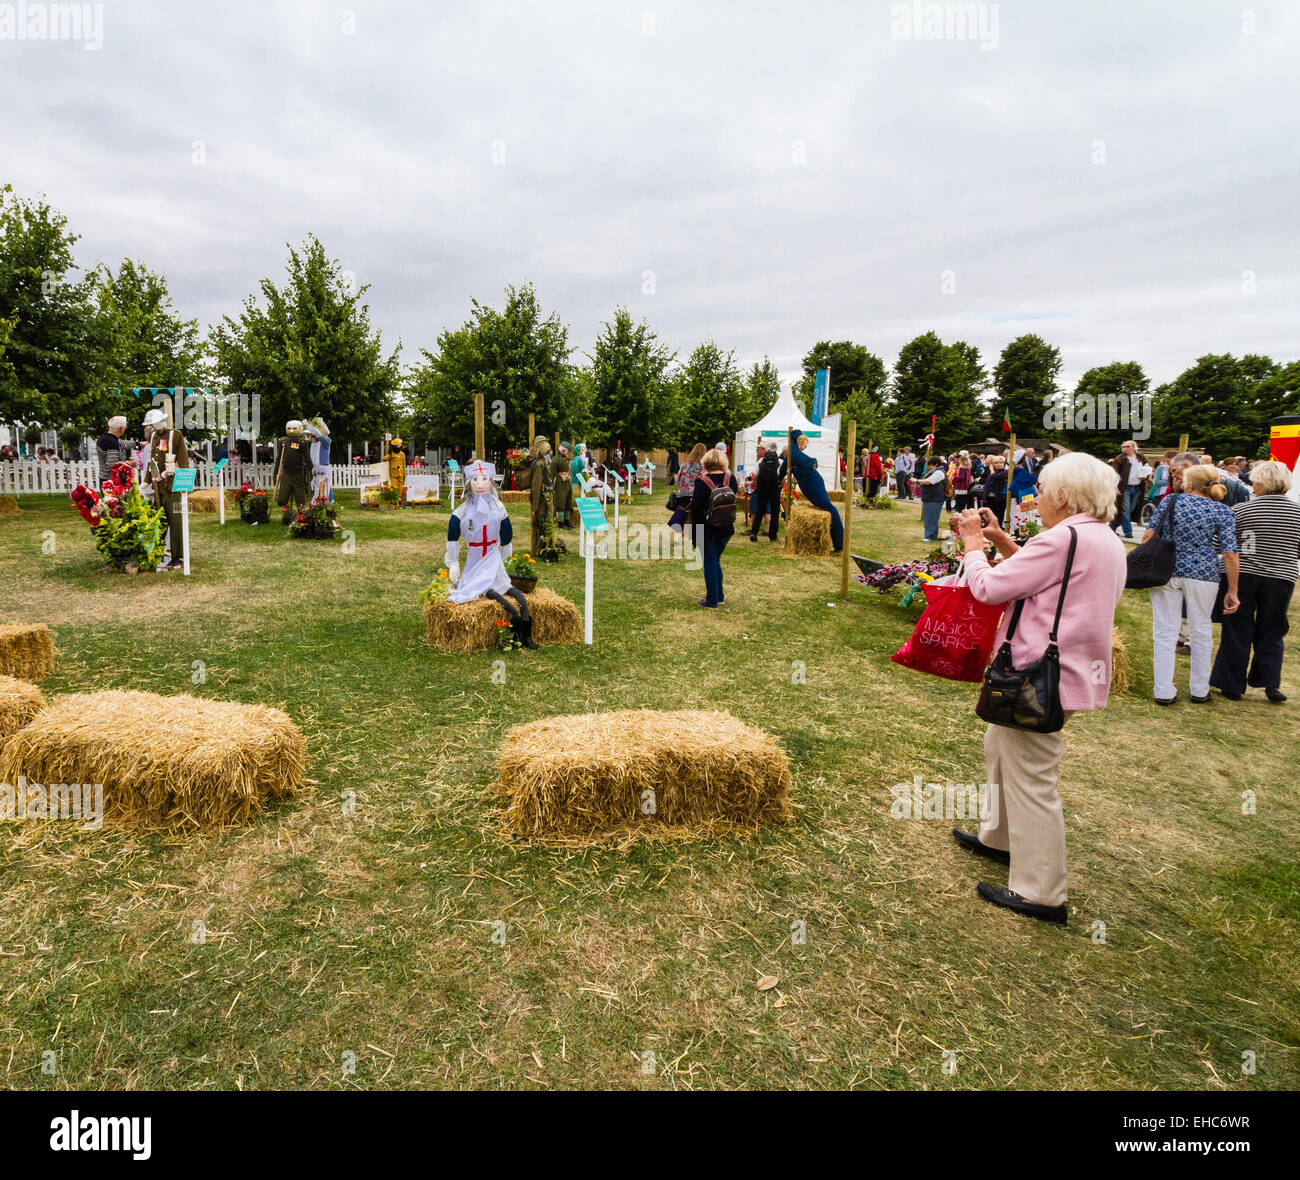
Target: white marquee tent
{"points": [[823, 440]]}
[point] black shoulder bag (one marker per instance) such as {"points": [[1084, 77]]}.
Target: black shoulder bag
{"points": [[1152, 563], [1027, 698]]}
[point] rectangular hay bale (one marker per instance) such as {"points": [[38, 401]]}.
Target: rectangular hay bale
{"points": [[472, 626], [640, 774], [808, 531], [26, 650], [179, 763], [205, 500], [510, 496], [20, 701]]}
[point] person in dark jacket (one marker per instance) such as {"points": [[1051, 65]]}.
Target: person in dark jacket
{"points": [[712, 539], [995, 487], [767, 492], [933, 494]]}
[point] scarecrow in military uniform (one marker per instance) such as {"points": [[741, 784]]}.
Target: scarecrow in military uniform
{"points": [[397, 467], [293, 475], [563, 477], [541, 485], [166, 452]]}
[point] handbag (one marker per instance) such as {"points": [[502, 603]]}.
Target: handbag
{"points": [[1151, 564], [955, 634], [1027, 698]]}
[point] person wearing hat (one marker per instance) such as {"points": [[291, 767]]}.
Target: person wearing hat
{"points": [[563, 476], [875, 472], [397, 466], [293, 472], [319, 449], [166, 451]]}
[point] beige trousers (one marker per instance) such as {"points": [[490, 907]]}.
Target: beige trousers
{"points": [[1024, 810]]}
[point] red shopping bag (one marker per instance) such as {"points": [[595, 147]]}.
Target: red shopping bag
{"points": [[954, 635]]}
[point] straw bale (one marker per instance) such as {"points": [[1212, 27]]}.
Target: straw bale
{"points": [[1121, 667], [9, 506], [472, 626], [808, 532], [19, 703], [177, 763], [836, 496], [205, 500], [585, 779], [26, 650], [513, 497]]}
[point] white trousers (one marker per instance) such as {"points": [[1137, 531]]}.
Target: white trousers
{"points": [[1166, 618]]}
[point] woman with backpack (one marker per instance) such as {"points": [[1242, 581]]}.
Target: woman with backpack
{"points": [[686, 477], [713, 517]]}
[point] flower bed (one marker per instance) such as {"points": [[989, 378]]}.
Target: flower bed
{"points": [[129, 533]]}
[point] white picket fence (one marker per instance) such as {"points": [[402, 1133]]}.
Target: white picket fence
{"points": [[25, 477]]}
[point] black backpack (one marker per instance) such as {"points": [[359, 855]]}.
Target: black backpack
{"points": [[722, 504]]}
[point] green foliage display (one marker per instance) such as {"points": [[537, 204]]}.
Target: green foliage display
{"points": [[633, 400], [516, 357], [47, 320], [311, 350], [946, 380]]}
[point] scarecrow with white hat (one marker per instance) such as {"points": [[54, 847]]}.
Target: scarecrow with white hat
{"points": [[485, 524], [293, 473], [164, 452]]}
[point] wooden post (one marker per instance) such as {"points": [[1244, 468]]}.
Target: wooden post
{"points": [[848, 516], [532, 430], [1011, 467], [1183, 440], [480, 449]]}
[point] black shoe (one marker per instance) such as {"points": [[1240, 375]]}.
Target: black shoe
{"points": [[1275, 695], [1010, 900], [1199, 700], [710, 605], [526, 633], [752, 537], [1173, 700], [972, 843], [1229, 696]]}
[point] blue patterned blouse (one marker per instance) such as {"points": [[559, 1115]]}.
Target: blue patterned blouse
{"points": [[1202, 529]]}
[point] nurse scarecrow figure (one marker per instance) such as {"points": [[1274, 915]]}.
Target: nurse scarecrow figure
{"points": [[483, 521]]}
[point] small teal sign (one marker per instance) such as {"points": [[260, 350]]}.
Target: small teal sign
{"points": [[592, 514]]}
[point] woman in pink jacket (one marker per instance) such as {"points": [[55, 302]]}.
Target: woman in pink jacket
{"points": [[1024, 827]]}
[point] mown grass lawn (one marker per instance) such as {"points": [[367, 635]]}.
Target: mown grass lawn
{"points": [[372, 934]]}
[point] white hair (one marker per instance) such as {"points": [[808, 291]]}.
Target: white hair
{"points": [[1082, 483], [117, 422], [1270, 479]]}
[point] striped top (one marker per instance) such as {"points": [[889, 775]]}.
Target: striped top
{"points": [[1268, 535]]}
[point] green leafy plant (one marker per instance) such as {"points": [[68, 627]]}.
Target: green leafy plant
{"points": [[317, 522]]}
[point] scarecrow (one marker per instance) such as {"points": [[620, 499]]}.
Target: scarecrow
{"points": [[166, 451], [483, 520], [814, 488], [541, 486], [563, 476], [397, 466], [293, 474]]}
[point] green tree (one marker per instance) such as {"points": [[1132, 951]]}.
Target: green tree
{"points": [[711, 396], [852, 368], [52, 348], [758, 395], [1024, 383], [633, 399], [517, 358], [946, 380], [1223, 403], [145, 342], [1107, 406], [311, 350]]}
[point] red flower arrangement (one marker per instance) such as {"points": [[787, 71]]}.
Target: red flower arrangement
{"points": [[87, 504]]}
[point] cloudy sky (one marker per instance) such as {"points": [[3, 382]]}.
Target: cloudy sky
{"points": [[1118, 176]]}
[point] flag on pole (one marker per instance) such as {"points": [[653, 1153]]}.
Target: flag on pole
{"points": [[1006, 422]]}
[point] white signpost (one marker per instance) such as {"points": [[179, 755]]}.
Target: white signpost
{"points": [[219, 470], [591, 520], [183, 483]]}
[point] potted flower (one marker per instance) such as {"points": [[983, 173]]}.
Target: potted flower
{"points": [[522, 569], [438, 589], [254, 508], [128, 532], [388, 497]]}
